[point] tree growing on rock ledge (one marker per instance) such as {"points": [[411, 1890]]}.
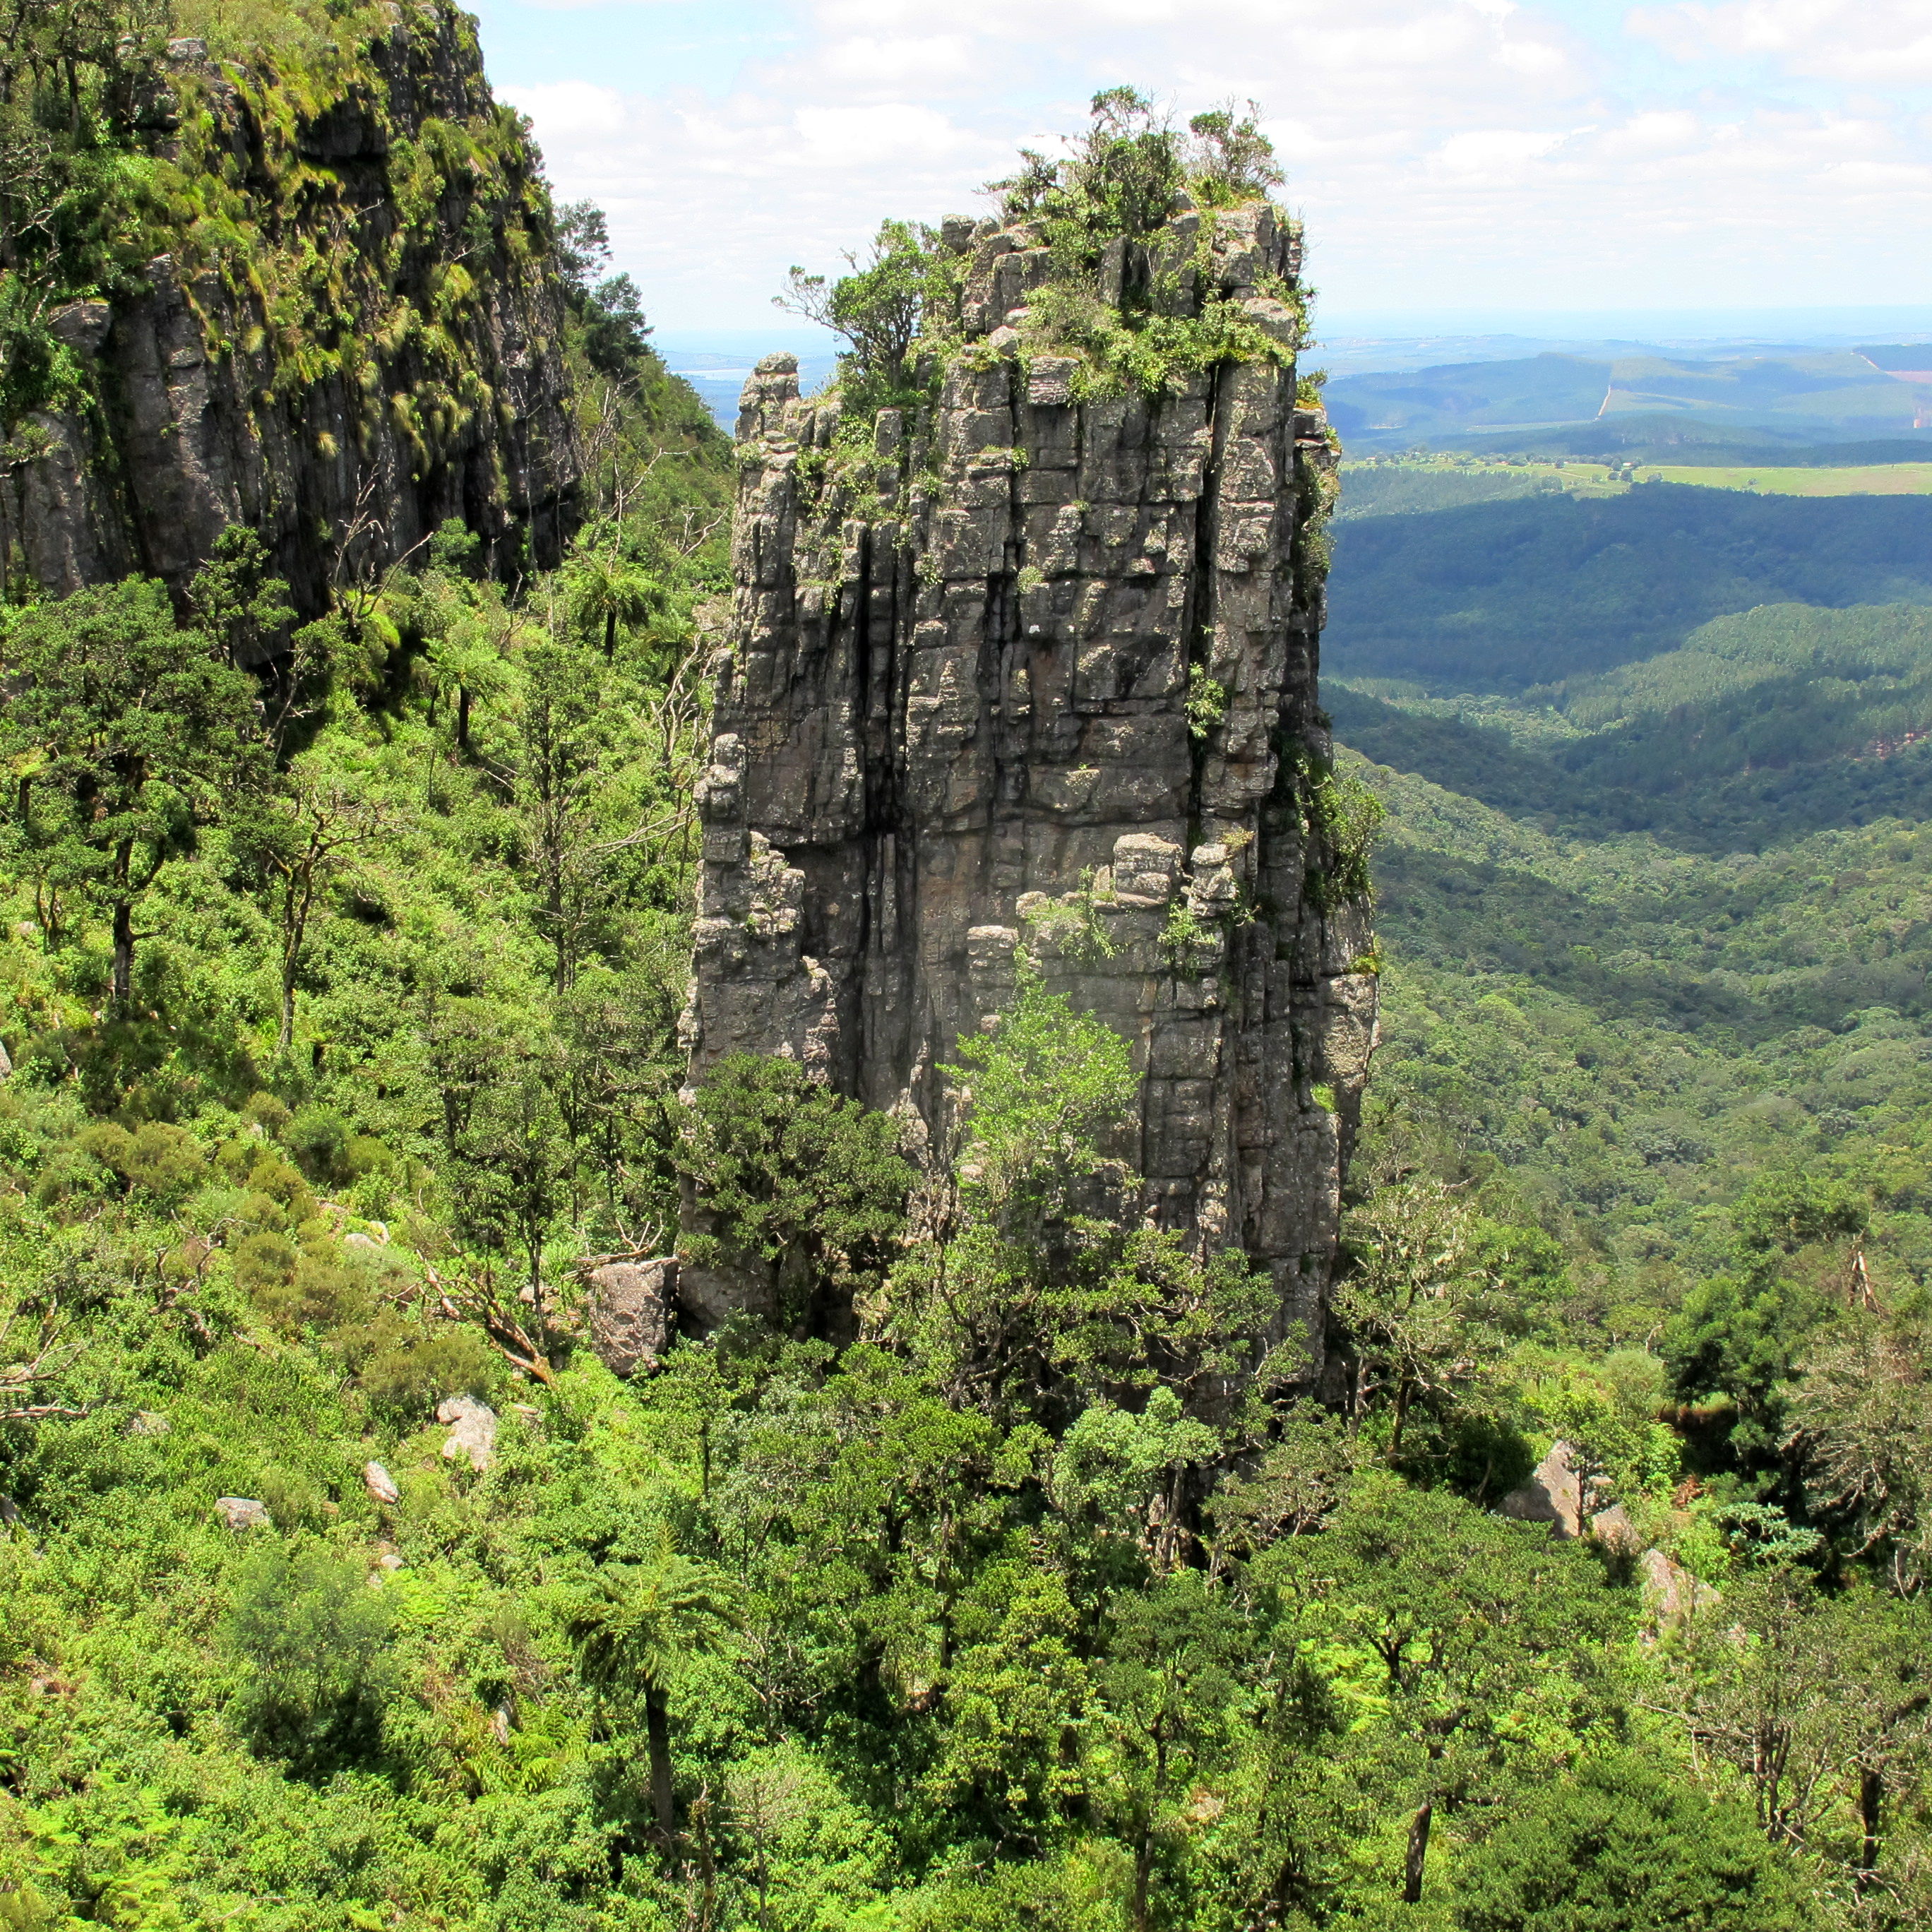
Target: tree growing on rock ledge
{"points": [[1097, 209]]}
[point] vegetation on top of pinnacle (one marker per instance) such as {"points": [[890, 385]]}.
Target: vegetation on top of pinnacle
{"points": [[1148, 325]]}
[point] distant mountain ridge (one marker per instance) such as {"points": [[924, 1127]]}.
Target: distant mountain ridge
{"points": [[1813, 394]]}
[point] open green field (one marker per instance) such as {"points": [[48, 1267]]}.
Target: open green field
{"points": [[1384, 486], [1872, 479]]}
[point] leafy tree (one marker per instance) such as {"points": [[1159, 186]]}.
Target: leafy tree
{"points": [[1167, 1684], [1858, 1421], [513, 1163], [128, 734], [1481, 1631], [236, 600], [608, 591], [1825, 1705], [616, 334], [633, 1626], [1298, 1484], [1618, 1845], [879, 306], [313, 1639], [1232, 160], [582, 243], [802, 1184], [565, 741], [1790, 1210], [1016, 1686], [1739, 1337], [1412, 1301], [301, 840]]}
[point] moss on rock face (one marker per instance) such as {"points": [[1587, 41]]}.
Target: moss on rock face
{"points": [[300, 277]]}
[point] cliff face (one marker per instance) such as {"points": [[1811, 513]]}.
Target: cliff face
{"points": [[342, 328], [1040, 672]]}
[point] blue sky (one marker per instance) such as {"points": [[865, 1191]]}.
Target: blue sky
{"points": [[1449, 155]]}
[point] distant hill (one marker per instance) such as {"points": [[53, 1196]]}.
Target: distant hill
{"points": [[1769, 723], [1898, 359], [1803, 394], [1501, 596], [1659, 436], [1658, 920]]}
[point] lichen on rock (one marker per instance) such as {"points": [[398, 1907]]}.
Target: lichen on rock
{"points": [[326, 309]]}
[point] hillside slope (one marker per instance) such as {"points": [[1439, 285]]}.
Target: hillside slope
{"points": [[1651, 889]]}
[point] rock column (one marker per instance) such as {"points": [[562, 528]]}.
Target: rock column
{"points": [[1037, 670]]}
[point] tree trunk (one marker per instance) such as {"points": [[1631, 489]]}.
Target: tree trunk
{"points": [[1143, 1872], [1871, 1799], [463, 719], [286, 1038], [1418, 1851], [1402, 1394], [657, 1732], [124, 956]]}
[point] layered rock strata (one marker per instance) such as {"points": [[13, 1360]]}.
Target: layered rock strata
{"points": [[1038, 670], [379, 351]]}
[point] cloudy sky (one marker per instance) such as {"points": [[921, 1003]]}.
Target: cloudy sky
{"points": [[1448, 155]]}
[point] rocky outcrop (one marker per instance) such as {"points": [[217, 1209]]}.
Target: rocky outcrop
{"points": [[628, 1312], [350, 332], [472, 1431], [1554, 1495], [1035, 668]]}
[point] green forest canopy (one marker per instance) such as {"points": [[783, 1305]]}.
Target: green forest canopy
{"points": [[325, 1093]]}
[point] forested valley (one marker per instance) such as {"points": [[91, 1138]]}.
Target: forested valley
{"points": [[343, 1584]]}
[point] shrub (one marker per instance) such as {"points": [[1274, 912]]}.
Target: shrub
{"points": [[791, 1174], [405, 1368], [310, 1635]]}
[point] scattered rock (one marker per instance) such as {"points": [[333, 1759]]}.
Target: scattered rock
{"points": [[1614, 1530], [390, 1562], [355, 1238], [500, 1725], [380, 1483], [10, 1511], [1553, 1495], [241, 1513], [6, 1065], [149, 1422], [472, 1431], [630, 1313], [1670, 1591]]}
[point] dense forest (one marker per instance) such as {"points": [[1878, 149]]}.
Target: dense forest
{"points": [[343, 1584]]}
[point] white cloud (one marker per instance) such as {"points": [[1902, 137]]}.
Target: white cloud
{"points": [[1444, 152], [575, 112], [1493, 151], [1879, 42], [893, 133]]}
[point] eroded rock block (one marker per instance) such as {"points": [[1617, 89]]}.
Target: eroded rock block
{"points": [[472, 1431], [630, 1312]]}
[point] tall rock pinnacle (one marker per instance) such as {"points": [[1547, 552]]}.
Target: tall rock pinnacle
{"points": [[1033, 668]]}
